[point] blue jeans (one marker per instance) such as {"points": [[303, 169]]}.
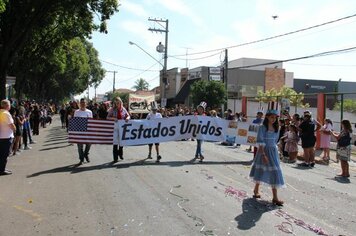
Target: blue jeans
{"points": [[199, 150], [5, 145], [83, 153]]}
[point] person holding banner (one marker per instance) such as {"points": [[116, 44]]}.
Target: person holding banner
{"points": [[199, 153], [86, 113], [152, 116], [117, 112], [266, 167]]}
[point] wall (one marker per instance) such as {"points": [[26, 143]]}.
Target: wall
{"points": [[254, 61]]}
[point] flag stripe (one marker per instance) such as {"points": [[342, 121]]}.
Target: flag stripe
{"points": [[88, 130], [73, 133]]}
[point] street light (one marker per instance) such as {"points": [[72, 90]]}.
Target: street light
{"points": [[132, 43], [161, 49]]}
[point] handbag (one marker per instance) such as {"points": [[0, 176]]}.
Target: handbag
{"points": [[344, 140], [343, 152]]}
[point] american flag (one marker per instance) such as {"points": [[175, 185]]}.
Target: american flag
{"points": [[88, 130]]}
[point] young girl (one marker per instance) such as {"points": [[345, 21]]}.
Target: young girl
{"points": [[198, 152], [265, 167], [343, 152], [291, 139], [325, 138]]}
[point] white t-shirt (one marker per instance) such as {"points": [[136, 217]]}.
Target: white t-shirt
{"points": [[152, 116], [86, 113], [5, 121]]}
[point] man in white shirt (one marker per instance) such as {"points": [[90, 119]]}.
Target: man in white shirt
{"points": [[83, 112], [152, 116], [7, 129]]}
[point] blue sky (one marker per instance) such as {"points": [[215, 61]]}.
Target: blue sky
{"points": [[201, 25]]}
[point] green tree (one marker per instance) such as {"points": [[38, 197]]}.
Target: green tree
{"points": [[349, 105], [141, 85], [296, 99], [2, 5], [22, 19], [211, 92], [58, 72]]}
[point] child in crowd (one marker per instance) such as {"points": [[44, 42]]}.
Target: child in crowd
{"points": [[325, 138], [291, 139], [199, 153]]}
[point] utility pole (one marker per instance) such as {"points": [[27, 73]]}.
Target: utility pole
{"points": [[113, 84], [164, 75], [225, 78]]}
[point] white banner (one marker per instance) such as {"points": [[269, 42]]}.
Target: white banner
{"points": [[136, 132]]}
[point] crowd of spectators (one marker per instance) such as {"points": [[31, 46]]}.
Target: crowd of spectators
{"points": [[29, 117]]}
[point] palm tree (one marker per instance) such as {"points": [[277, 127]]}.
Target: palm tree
{"points": [[141, 84]]}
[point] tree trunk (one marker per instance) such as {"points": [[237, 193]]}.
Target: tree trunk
{"points": [[2, 84]]}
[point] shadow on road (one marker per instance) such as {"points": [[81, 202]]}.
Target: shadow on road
{"points": [[180, 163], [50, 144], [56, 139], [340, 179], [56, 147], [73, 169], [252, 211]]}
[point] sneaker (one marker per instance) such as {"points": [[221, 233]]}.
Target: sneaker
{"points": [[121, 157], [6, 172], [87, 159], [201, 158], [149, 156], [80, 163], [312, 164], [27, 148]]}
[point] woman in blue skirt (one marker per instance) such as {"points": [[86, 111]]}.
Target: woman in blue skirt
{"points": [[265, 168]]}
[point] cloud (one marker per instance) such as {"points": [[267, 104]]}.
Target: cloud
{"points": [[180, 7], [134, 8]]}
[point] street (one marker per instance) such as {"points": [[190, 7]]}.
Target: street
{"points": [[48, 195]]}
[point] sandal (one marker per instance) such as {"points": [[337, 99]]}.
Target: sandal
{"points": [[277, 202]]}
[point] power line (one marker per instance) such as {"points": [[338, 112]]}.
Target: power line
{"points": [[139, 73], [327, 53], [269, 38], [192, 59], [305, 64], [125, 67]]}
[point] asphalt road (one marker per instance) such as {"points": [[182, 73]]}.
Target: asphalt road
{"points": [[48, 195]]}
